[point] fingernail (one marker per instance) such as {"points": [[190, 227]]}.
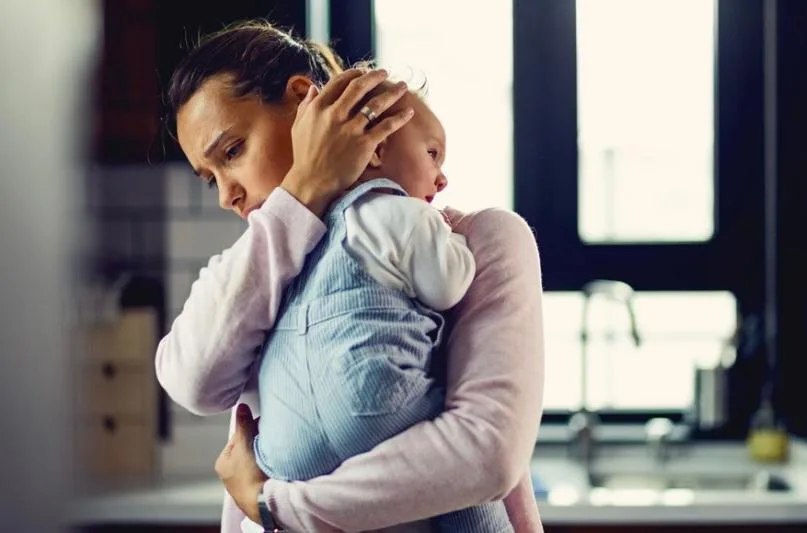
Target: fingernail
{"points": [[383, 72], [409, 112]]}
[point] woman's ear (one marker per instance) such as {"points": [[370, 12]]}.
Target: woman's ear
{"points": [[297, 88], [378, 154]]}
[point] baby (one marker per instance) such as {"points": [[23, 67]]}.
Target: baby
{"points": [[347, 364]]}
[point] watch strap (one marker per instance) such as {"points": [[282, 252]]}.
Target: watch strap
{"points": [[267, 520]]}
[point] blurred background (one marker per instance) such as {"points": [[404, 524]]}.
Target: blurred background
{"points": [[655, 146]]}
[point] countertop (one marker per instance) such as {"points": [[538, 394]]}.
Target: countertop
{"points": [[569, 499]]}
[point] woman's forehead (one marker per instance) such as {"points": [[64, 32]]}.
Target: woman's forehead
{"points": [[213, 101], [212, 108]]}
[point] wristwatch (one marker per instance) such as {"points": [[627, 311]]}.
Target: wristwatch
{"points": [[267, 520]]}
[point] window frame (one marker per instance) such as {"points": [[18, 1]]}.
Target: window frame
{"points": [[545, 180], [546, 176]]}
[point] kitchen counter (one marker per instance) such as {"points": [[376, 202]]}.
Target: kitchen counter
{"points": [[568, 498], [571, 500]]}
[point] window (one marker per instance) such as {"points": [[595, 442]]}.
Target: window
{"points": [[638, 156], [645, 120], [469, 87], [677, 330]]}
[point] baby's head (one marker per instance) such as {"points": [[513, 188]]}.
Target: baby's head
{"points": [[412, 156]]}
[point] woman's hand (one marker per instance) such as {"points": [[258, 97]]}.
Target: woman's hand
{"points": [[331, 139], [237, 468]]}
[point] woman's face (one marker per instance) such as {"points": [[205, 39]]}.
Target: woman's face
{"points": [[242, 146]]}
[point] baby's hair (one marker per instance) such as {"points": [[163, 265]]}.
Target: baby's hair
{"points": [[421, 91], [416, 81]]}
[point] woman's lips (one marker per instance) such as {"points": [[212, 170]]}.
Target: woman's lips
{"points": [[247, 211]]}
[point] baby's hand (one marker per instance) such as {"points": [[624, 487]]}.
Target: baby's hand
{"points": [[448, 220]]}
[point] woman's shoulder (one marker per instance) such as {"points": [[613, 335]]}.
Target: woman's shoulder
{"points": [[505, 250], [495, 223]]}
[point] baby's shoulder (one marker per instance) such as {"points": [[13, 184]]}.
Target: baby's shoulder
{"points": [[391, 209]]}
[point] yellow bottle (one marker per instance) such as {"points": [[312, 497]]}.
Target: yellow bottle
{"points": [[768, 441]]}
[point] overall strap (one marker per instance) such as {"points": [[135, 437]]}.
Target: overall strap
{"points": [[337, 209]]}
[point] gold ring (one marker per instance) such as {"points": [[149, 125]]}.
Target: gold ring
{"points": [[369, 114]]}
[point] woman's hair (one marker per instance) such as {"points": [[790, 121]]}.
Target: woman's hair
{"points": [[258, 57]]}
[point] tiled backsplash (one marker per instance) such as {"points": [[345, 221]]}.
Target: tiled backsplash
{"points": [[195, 229], [161, 221], [126, 204]]}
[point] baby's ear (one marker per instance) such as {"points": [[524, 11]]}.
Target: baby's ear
{"points": [[375, 160]]}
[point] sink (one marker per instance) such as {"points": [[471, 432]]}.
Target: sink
{"points": [[661, 481]]}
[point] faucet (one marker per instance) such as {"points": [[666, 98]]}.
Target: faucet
{"points": [[582, 424], [658, 434]]}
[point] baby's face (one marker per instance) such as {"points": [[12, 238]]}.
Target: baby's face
{"points": [[413, 156]]}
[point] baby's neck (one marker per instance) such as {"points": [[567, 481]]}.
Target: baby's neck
{"points": [[373, 173]]}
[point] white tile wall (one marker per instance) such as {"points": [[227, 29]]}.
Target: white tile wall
{"points": [[148, 235], [126, 204], [194, 446], [166, 215], [178, 286], [178, 182], [129, 186], [195, 229], [187, 191], [209, 197], [199, 238], [116, 238]]}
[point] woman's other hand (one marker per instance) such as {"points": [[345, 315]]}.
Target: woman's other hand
{"points": [[237, 468], [331, 139]]}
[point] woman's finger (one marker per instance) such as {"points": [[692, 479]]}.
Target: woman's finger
{"points": [[356, 90], [309, 96], [381, 103], [390, 125], [336, 85], [228, 448], [245, 426]]}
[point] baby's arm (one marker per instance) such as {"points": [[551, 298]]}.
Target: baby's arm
{"points": [[204, 361], [438, 262], [407, 244]]}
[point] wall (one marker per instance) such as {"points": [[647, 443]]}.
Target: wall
{"points": [[196, 228], [126, 204], [161, 222], [47, 49]]}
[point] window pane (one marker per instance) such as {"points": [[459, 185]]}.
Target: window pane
{"points": [[467, 75], [676, 329], [645, 120]]}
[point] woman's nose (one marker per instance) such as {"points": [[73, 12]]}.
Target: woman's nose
{"points": [[231, 195], [442, 182]]}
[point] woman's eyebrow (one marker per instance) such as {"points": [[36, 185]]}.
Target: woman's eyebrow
{"points": [[212, 147], [215, 142]]}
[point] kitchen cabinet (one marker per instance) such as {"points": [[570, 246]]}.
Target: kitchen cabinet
{"points": [[115, 396]]}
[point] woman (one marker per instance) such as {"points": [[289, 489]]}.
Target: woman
{"points": [[252, 123]]}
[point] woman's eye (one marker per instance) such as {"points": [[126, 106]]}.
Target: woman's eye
{"points": [[433, 154], [233, 151]]}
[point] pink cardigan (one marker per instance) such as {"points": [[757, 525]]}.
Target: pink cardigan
{"points": [[478, 450]]}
